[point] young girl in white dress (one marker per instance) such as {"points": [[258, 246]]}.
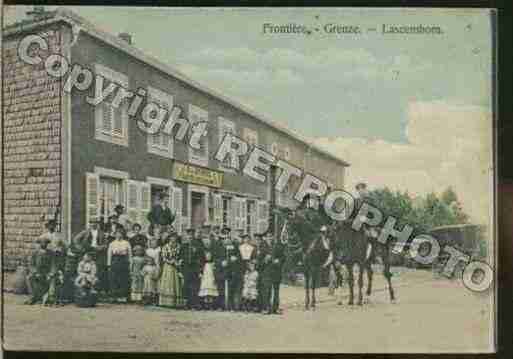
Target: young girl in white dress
{"points": [[208, 290]]}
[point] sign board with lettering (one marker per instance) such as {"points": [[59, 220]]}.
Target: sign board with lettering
{"points": [[198, 175]]}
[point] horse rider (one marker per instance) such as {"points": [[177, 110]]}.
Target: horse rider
{"points": [[361, 198]]}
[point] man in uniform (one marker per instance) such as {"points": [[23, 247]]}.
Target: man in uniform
{"points": [[231, 267], [192, 255], [272, 258]]}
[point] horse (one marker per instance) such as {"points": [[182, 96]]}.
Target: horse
{"points": [[303, 239], [360, 248]]}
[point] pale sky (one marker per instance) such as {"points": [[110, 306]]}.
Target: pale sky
{"points": [[412, 112]]}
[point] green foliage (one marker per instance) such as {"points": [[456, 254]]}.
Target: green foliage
{"points": [[423, 213]]}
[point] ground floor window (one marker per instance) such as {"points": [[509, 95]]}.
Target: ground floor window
{"points": [[112, 193]]}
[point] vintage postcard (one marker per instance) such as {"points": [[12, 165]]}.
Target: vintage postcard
{"points": [[248, 179]]}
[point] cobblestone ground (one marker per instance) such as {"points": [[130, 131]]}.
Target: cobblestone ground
{"points": [[430, 315]]}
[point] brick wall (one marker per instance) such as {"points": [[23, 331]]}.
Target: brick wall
{"points": [[32, 148]]}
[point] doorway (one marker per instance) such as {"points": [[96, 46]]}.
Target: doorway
{"points": [[198, 209]]}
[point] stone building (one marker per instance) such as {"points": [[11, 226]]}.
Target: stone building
{"points": [[64, 157]]}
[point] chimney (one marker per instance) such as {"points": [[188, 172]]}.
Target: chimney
{"points": [[126, 37]]}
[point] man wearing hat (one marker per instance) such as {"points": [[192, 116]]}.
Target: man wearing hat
{"points": [[93, 240], [39, 270], [160, 213], [192, 254], [272, 258], [121, 217], [231, 272]]}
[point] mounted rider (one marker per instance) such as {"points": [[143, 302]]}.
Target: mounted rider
{"points": [[362, 197]]}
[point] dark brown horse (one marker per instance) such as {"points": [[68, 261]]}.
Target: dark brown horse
{"points": [[305, 244], [356, 248]]}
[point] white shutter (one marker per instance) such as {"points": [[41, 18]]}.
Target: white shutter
{"points": [[231, 213], [263, 216], [107, 114], [244, 214], [145, 201], [92, 196], [218, 209], [254, 218], [133, 202], [178, 208], [118, 121], [274, 149]]}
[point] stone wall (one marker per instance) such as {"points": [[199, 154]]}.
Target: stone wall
{"points": [[32, 148]]}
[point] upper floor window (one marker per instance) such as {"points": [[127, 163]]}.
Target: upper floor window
{"points": [[226, 126], [112, 123], [286, 153], [198, 156], [161, 143], [251, 137]]}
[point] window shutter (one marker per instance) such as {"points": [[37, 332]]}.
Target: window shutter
{"points": [[106, 110], [263, 220], [92, 195], [244, 214], [218, 209], [178, 208], [254, 218], [231, 213], [145, 192], [118, 121], [274, 149], [133, 201]]}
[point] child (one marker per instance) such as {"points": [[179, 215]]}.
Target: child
{"points": [[151, 275], [85, 293], [249, 291], [136, 274], [208, 290], [86, 270], [153, 251]]}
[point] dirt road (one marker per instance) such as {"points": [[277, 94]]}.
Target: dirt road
{"points": [[430, 315]]}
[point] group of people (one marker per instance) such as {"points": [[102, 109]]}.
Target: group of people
{"points": [[208, 268]]}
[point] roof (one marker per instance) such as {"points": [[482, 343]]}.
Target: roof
{"points": [[79, 23]]}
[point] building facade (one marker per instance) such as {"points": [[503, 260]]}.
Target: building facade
{"points": [[66, 158]]}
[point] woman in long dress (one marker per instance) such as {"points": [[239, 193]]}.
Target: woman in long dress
{"points": [[208, 290], [171, 292], [119, 259]]}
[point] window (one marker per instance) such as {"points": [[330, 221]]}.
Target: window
{"points": [[161, 143], [198, 156], [228, 218], [102, 195], [226, 126], [251, 137], [239, 213], [112, 123]]}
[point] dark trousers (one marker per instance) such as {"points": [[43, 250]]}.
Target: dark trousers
{"points": [[232, 288], [39, 285], [192, 284], [271, 295]]}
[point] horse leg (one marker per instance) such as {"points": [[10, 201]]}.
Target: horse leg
{"points": [[350, 282], [360, 283], [369, 278], [388, 275], [307, 290], [338, 286], [314, 284]]}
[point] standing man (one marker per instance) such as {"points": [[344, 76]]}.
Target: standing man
{"points": [[191, 256], [232, 272], [39, 271], [121, 217], [160, 213], [272, 258], [94, 240]]}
